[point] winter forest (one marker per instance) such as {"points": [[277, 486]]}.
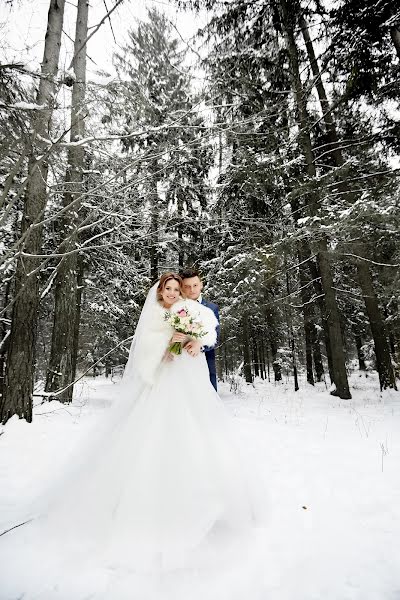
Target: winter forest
{"points": [[256, 141], [263, 151]]}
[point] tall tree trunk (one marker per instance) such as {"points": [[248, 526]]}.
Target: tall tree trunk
{"points": [[333, 317], [63, 347], [224, 352], [377, 323], [254, 351], [18, 390], [180, 226], [308, 334], [262, 355], [307, 309], [325, 106], [339, 374], [395, 35], [4, 336], [268, 363], [271, 321], [360, 355], [154, 234], [303, 252], [291, 334], [381, 344], [317, 356], [247, 370], [392, 314], [79, 294], [316, 278]]}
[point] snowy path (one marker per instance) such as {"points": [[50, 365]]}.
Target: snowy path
{"points": [[333, 469]]}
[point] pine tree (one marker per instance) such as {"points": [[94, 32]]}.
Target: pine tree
{"points": [[171, 152], [18, 390], [378, 329], [69, 270]]}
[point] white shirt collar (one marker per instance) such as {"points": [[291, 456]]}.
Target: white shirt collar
{"points": [[200, 298]]}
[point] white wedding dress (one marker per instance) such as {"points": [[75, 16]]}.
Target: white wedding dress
{"points": [[169, 475], [162, 482]]}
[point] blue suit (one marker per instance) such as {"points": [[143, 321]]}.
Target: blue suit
{"points": [[210, 351]]}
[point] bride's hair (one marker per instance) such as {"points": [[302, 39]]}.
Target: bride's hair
{"points": [[164, 280]]}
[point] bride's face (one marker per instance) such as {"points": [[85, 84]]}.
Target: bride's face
{"points": [[170, 293]]}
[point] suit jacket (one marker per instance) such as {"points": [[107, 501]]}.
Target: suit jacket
{"points": [[210, 351]]}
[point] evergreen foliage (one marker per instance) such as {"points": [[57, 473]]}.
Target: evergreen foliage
{"points": [[277, 173]]}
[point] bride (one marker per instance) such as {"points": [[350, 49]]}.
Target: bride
{"points": [[184, 480], [162, 479]]}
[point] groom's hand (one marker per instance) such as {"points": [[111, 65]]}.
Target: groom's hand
{"points": [[193, 347]]}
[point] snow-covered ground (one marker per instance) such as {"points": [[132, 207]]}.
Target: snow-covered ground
{"points": [[333, 473]]}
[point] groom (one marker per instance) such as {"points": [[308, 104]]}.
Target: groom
{"points": [[192, 288]]}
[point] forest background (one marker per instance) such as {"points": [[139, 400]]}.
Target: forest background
{"points": [[255, 140]]}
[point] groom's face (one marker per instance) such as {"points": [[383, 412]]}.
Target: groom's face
{"points": [[192, 287]]}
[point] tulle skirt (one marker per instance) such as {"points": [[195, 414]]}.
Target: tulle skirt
{"points": [[162, 485]]}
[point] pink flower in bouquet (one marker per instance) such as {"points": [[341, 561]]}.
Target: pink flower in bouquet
{"points": [[184, 322]]}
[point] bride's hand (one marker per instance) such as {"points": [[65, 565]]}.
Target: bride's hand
{"points": [[179, 337]]}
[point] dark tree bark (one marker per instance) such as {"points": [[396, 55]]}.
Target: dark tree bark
{"points": [[325, 106], [254, 350], [18, 390], [360, 355], [79, 295], [268, 363], [308, 335], [273, 344], [224, 352], [392, 313], [317, 356], [295, 377], [377, 324], [247, 370], [316, 278], [291, 334], [395, 35], [303, 252], [4, 339], [261, 347], [382, 350], [154, 234], [66, 308], [276, 365], [181, 253], [333, 317]]}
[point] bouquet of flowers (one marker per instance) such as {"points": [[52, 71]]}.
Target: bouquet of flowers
{"points": [[184, 322]]}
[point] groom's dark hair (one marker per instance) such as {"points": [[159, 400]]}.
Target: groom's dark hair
{"points": [[188, 273]]}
